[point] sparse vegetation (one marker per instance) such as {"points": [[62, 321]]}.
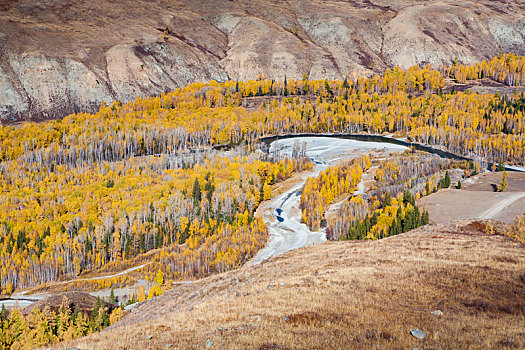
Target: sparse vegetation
{"points": [[517, 229], [166, 33], [489, 228]]}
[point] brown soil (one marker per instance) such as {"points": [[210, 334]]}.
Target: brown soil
{"points": [[488, 181], [475, 198], [351, 295], [450, 205]]}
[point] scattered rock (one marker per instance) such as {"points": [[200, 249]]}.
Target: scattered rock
{"points": [[209, 344], [417, 333], [437, 313]]}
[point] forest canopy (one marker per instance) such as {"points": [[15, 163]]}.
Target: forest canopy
{"points": [[95, 190]]}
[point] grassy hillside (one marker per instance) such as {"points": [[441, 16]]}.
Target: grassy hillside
{"points": [[356, 295]]}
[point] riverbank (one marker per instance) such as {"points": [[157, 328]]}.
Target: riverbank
{"points": [[389, 139]]}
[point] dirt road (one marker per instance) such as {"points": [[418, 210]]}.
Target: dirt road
{"points": [[449, 205], [502, 205]]}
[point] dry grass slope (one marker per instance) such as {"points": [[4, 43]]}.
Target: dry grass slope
{"points": [[347, 295]]}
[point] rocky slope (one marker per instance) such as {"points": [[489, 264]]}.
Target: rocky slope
{"points": [[58, 57]]}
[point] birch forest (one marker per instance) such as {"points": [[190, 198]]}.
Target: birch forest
{"points": [[181, 175]]}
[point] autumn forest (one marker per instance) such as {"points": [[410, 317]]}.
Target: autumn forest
{"points": [[174, 181]]}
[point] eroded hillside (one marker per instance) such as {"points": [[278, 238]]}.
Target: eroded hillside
{"points": [[59, 57]]}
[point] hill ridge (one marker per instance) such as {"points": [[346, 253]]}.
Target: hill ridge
{"points": [[58, 57]]}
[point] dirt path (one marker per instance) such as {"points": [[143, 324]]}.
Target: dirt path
{"points": [[106, 276], [366, 180], [450, 205], [496, 209]]}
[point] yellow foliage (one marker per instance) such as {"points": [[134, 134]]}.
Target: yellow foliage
{"points": [[155, 291], [115, 316], [267, 192], [142, 294], [72, 187], [159, 278]]}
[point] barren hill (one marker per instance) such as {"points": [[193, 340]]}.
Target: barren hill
{"points": [[59, 56], [347, 295], [74, 300]]}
